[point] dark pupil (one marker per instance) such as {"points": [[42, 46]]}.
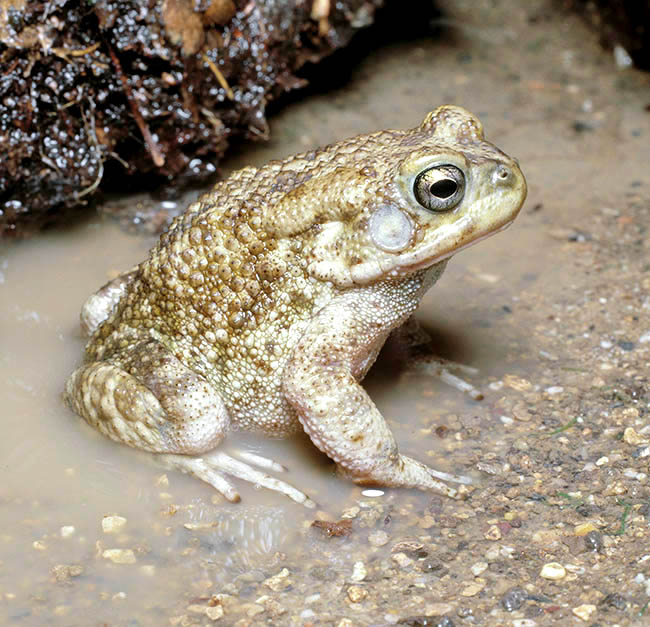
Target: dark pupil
{"points": [[444, 188]]}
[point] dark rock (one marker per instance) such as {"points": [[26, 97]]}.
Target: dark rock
{"points": [[514, 598], [615, 600], [127, 95], [594, 541]]}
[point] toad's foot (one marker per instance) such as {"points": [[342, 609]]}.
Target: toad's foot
{"points": [[407, 471], [439, 367], [411, 345], [210, 467]]}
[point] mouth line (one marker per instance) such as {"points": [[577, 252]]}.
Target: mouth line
{"points": [[427, 262]]}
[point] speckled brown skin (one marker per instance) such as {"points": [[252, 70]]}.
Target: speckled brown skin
{"points": [[265, 304]]}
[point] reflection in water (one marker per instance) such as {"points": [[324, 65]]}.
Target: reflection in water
{"points": [[236, 540]]}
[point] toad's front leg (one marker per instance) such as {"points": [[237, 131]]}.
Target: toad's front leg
{"points": [[322, 383]]}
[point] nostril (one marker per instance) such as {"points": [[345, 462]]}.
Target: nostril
{"points": [[501, 174]]}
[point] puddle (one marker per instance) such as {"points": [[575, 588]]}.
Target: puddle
{"points": [[544, 310]]}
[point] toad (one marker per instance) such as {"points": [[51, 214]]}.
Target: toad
{"points": [[265, 304]]}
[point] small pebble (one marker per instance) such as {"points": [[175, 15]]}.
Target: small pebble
{"points": [[514, 598], [438, 609], [601, 461], [67, 531], [584, 612], [594, 541], [493, 533], [402, 560], [373, 493], [523, 622], [62, 573], [553, 571], [479, 568], [214, 612], [554, 389], [630, 436], [472, 590], [584, 528], [378, 538], [350, 512], [119, 556], [356, 594], [615, 600], [640, 453], [113, 524], [359, 572], [278, 582]]}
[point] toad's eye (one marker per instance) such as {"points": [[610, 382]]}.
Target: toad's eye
{"points": [[439, 188]]}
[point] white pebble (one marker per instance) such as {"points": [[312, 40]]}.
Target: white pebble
{"points": [[478, 568], [119, 556], [507, 551], [622, 59], [601, 461], [67, 531], [553, 571], [373, 493], [555, 389], [584, 612], [359, 572], [113, 524]]}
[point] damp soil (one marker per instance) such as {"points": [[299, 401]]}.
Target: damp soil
{"points": [[554, 312]]}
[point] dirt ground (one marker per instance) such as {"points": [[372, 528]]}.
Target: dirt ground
{"points": [[555, 313]]}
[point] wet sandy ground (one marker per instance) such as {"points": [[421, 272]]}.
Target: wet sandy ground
{"points": [[555, 312]]}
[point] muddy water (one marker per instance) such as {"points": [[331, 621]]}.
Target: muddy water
{"points": [[546, 94]]}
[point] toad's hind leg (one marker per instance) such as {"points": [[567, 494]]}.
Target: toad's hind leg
{"points": [[151, 401], [101, 304]]}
